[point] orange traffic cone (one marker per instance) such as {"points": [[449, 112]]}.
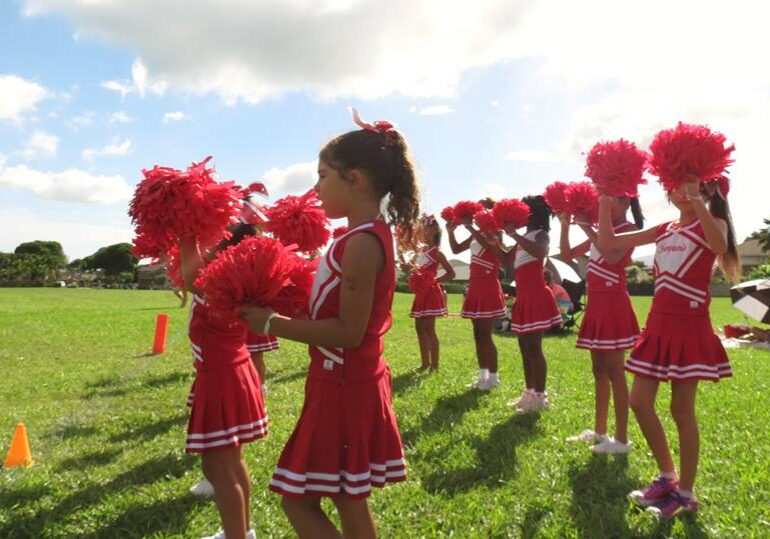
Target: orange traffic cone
{"points": [[19, 453]]}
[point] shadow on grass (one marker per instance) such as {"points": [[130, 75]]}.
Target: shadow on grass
{"points": [[22, 495], [404, 381], [97, 458], [73, 431], [495, 459], [172, 378], [446, 412], [599, 496], [531, 525], [150, 430], [165, 518], [144, 474], [692, 528], [105, 393]]}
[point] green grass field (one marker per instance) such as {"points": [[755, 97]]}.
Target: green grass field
{"points": [[107, 425]]}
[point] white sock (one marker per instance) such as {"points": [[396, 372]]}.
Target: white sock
{"points": [[689, 494], [493, 377], [483, 374], [671, 476]]}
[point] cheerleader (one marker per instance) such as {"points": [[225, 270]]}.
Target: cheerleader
{"points": [[609, 326], [678, 343], [534, 311], [429, 301], [346, 440], [227, 409], [484, 301]]}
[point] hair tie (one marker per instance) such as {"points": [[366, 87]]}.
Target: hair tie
{"points": [[428, 219], [383, 127]]}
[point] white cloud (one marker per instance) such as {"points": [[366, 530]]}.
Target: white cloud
{"points": [[78, 239], [120, 117], [173, 117], [115, 148], [140, 82], [251, 51], [494, 103], [18, 96], [532, 156], [293, 179], [40, 144], [71, 185], [435, 110], [495, 191], [86, 119]]}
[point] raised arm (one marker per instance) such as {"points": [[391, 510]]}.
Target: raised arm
{"points": [[362, 260], [714, 229], [191, 261], [537, 247], [449, 271], [567, 252], [608, 240], [496, 248], [456, 247]]}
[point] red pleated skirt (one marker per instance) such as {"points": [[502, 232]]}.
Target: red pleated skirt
{"points": [[430, 303], [346, 441], [484, 299], [609, 322]]}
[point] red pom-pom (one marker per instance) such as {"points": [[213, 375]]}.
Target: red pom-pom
{"points": [[616, 167], [299, 220], [688, 151], [511, 211], [465, 210], [555, 196], [174, 268], [257, 271], [486, 222], [421, 281], [339, 231], [583, 200], [448, 214], [169, 204]]}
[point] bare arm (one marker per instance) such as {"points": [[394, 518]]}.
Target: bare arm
{"points": [[537, 248], [495, 247], [611, 256], [567, 252], [714, 229], [362, 260], [456, 247], [449, 271], [608, 240], [191, 261]]}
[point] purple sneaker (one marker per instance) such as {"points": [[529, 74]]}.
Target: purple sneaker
{"points": [[659, 489], [673, 505]]}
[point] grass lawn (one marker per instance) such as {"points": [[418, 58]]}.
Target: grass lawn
{"points": [[107, 425]]}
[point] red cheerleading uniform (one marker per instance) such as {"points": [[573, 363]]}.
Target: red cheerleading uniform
{"points": [[346, 439], [257, 342], [678, 342], [534, 309], [227, 408], [429, 303], [484, 298], [609, 322]]}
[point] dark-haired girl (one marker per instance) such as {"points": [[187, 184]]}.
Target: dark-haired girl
{"points": [[346, 440]]}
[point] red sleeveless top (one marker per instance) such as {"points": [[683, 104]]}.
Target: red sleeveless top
{"points": [[343, 365], [601, 276]]}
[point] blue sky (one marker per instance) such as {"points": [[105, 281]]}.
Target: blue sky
{"points": [[494, 99]]}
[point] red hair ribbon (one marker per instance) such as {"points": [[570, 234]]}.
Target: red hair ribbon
{"points": [[428, 219], [380, 126]]}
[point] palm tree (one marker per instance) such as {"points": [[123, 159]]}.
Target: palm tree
{"points": [[762, 236]]}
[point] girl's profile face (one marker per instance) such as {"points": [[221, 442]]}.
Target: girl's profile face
{"points": [[333, 191], [427, 234]]}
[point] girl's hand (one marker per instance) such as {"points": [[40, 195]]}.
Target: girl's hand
{"points": [[564, 218], [690, 190], [467, 222], [451, 226], [581, 219], [510, 230], [255, 317]]}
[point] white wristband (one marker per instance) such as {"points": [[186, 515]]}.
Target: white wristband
{"points": [[266, 329]]}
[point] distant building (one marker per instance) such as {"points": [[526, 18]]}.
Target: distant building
{"points": [[751, 255], [462, 270]]}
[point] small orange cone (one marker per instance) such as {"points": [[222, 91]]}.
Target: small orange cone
{"points": [[19, 453], [161, 331]]}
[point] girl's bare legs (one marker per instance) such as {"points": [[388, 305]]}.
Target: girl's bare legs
{"points": [[642, 400], [220, 468], [308, 519], [683, 410], [356, 519], [617, 377]]}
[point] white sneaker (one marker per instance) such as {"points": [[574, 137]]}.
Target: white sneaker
{"points": [[612, 446], [251, 534], [526, 394], [535, 403], [204, 488], [487, 384], [587, 436]]}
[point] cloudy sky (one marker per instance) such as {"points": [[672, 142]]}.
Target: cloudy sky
{"points": [[496, 97]]}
